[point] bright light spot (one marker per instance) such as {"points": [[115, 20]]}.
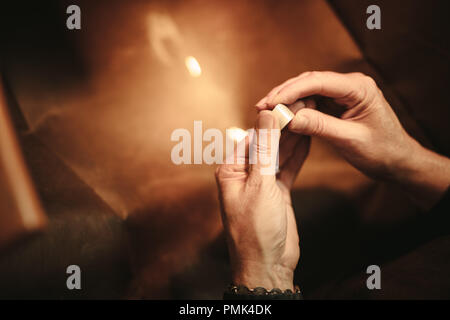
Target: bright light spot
{"points": [[193, 66], [236, 134]]}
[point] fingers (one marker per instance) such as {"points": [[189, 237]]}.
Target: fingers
{"points": [[288, 139], [315, 123], [264, 148], [294, 148], [293, 164], [262, 104], [238, 156], [330, 84]]}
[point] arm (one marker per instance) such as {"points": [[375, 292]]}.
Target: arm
{"points": [[424, 175]]}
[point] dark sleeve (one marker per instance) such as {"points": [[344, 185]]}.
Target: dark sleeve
{"points": [[440, 214], [443, 204]]}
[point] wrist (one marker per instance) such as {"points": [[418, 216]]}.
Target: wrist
{"points": [[404, 161], [423, 174], [252, 275]]}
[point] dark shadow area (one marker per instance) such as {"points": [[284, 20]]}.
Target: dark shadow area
{"points": [[82, 230], [327, 223], [208, 277], [411, 53], [336, 248]]}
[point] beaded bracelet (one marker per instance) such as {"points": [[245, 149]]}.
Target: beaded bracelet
{"points": [[241, 292]]}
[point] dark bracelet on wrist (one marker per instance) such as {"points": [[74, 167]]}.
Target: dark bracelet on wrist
{"points": [[243, 293]]}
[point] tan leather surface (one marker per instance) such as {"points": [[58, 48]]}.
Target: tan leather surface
{"points": [[20, 210]]}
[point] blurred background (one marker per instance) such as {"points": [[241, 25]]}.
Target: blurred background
{"points": [[86, 117]]}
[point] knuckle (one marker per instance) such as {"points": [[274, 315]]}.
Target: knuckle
{"points": [[319, 126], [357, 75], [220, 172], [370, 90], [365, 79], [366, 87], [314, 74], [370, 81], [362, 92], [304, 74], [363, 137]]}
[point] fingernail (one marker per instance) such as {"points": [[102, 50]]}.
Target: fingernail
{"points": [[265, 120]]}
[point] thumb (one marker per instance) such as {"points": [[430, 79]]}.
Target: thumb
{"points": [[315, 123], [264, 148]]}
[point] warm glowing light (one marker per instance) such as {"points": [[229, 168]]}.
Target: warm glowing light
{"points": [[236, 134], [193, 66]]}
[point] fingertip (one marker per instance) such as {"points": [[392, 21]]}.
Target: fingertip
{"points": [[261, 107], [261, 103], [265, 120], [266, 106]]}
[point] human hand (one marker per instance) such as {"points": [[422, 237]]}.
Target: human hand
{"points": [[257, 213], [368, 134]]}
